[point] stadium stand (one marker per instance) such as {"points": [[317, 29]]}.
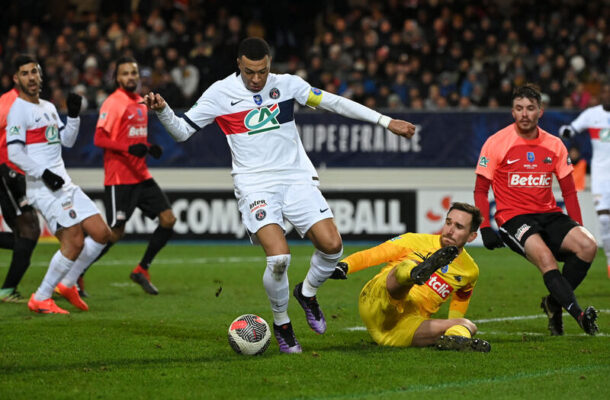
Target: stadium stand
{"points": [[397, 54]]}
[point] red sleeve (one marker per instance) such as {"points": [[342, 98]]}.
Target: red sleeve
{"points": [[481, 199], [568, 191], [102, 139]]}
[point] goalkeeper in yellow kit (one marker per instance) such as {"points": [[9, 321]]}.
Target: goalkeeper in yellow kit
{"points": [[422, 272]]}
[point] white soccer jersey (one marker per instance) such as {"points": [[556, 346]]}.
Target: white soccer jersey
{"points": [[38, 133], [260, 127], [596, 121]]}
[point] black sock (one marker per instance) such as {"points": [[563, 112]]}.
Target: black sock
{"points": [[7, 240], [159, 238], [22, 252], [562, 292], [575, 270], [104, 251]]}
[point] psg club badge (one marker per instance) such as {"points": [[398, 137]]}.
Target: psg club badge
{"points": [[72, 214], [258, 99], [274, 93], [530, 156], [260, 215]]}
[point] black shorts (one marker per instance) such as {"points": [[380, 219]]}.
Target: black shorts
{"points": [[122, 200], [13, 199], [552, 227]]}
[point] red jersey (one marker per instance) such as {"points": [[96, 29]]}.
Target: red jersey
{"points": [[6, 102], [125, 121], [521, 172]]}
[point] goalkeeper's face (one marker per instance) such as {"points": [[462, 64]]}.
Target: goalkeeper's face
{"points": [[456, 231], [254, 73]]}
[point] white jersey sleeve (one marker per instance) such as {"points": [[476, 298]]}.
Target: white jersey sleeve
{"points": [[69, 132], [17, 122], [582, 122], [314, 97]]}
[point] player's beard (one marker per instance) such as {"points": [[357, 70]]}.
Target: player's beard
{"points": [[30, 90], [130, 87]]}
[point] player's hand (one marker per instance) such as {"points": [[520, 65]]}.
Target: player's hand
{"points": [[340, 271], [491, 240], [566, 131], [154, 101], [52, 180], [402, 128], [74, 103], [155, 151], [138, 149]]}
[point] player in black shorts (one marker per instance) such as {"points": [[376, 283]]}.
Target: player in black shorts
{"points": [[121, 202], [23, 221]]}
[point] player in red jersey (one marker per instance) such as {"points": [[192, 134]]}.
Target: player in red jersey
{"points": [[122, 130], [519, 162], [16, 211]]}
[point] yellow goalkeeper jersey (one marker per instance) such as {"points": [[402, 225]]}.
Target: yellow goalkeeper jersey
{"points": [[455, 281]]}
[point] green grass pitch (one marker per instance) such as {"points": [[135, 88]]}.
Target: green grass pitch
{"points": [[131, 345]]}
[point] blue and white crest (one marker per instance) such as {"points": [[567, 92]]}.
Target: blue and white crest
{"points": [[530, 156], [258, 99], [445, 269]]}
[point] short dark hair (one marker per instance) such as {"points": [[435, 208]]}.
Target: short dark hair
{"points": [[122, 60], [23, 59], [474, 212], [253, 48], [529, 91]]}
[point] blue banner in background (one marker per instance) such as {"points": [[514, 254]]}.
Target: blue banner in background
{"points": [[442, 140]]}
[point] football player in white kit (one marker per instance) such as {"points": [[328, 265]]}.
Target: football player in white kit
{"points": [[596, 122], [273, 177], [35, 135]]}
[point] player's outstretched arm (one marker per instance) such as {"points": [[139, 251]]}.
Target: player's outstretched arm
{"points": [[401, 128], [154, 101], [176, 126]]}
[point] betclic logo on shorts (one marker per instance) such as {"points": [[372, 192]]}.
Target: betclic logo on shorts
{"points": [[530, 179]]}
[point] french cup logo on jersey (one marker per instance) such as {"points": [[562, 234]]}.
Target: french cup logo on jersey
{"points": [[530, 179], [52, 134], [439, 285], [262, 119]]}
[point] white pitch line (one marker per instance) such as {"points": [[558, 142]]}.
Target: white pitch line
{"points": [[500, 319]]}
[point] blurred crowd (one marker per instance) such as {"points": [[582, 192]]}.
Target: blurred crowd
{"points": [[393, 54]]}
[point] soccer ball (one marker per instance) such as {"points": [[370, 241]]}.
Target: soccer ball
{"points": [[249, 334]]}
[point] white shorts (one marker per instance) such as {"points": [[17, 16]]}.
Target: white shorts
{"points": [[63, 208], [301, 205], [601, 201]]}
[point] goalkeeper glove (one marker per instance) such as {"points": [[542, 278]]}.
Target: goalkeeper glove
{"points": [[155, 151], [566, 131], [52, 180], [491, 240], [74, 102], [138, 150], [340, 271]]}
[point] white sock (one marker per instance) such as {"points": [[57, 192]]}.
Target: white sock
{"points": [[58, 267], [275, 280], [91, 250], [322, 266], [604, 228]]}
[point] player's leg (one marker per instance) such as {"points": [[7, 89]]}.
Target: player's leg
{"points": [[602, 207], [153, 203], [329, 249], [275, 280], [71, 244], [23, 221], [455, 334], [98, 235], [583, 248]]}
